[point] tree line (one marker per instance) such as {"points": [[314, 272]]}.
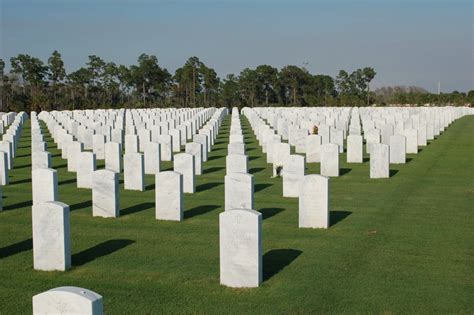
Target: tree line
{"points": [[32, 84]]}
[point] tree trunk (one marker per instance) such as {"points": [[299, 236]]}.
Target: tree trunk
{"points": [[188, 96], [194, 87], [2, 88], [368, 96], [54, 94], [73, 99], [144, 96]]}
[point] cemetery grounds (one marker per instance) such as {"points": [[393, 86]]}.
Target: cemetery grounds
{"points": [[403, 244]]}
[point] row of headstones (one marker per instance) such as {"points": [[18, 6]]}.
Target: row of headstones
{"points": [[387, 121], [291, 167], [236, 159], [321, 148], [170, 137], [292, 123], [82, 162], [9, 146], [238, 183], [50, 218], [104, 183], [342, 117], [240, 227], [51, 227], [40, 157], [113, 124], [6, 119]]}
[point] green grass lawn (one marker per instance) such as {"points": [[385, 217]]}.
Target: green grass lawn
{"points": [[403, 244]]}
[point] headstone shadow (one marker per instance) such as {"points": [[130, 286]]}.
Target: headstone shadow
{"points": [[21, 181], [22, 156], [336, 216], [215, 157], [16, 248], [137, 208], [99, 250], [276, 260], [270, 212], [199, 210], [344, 171], [393, 173], [23, 166], [213, 169], [80, 205], [260, 187], [23, 204], [67, 181], [206, 186], [256, 170]]}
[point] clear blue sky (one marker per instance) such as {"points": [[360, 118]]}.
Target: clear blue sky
{"points": [[408, 42]]}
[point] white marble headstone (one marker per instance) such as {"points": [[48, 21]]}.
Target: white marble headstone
{"points": [[313, 148], [51, 236], [113, 156], [379, 161], [44, 185], [330, 160], [105, 194], [68, 300], [184, 164], [240, 245], [238, 191], [236, 163], [354, 149], [313, 211], [86, 166], [293, 172], [397, 149], [195, 149], [169, 196], [133, 166], [152, 158]]}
